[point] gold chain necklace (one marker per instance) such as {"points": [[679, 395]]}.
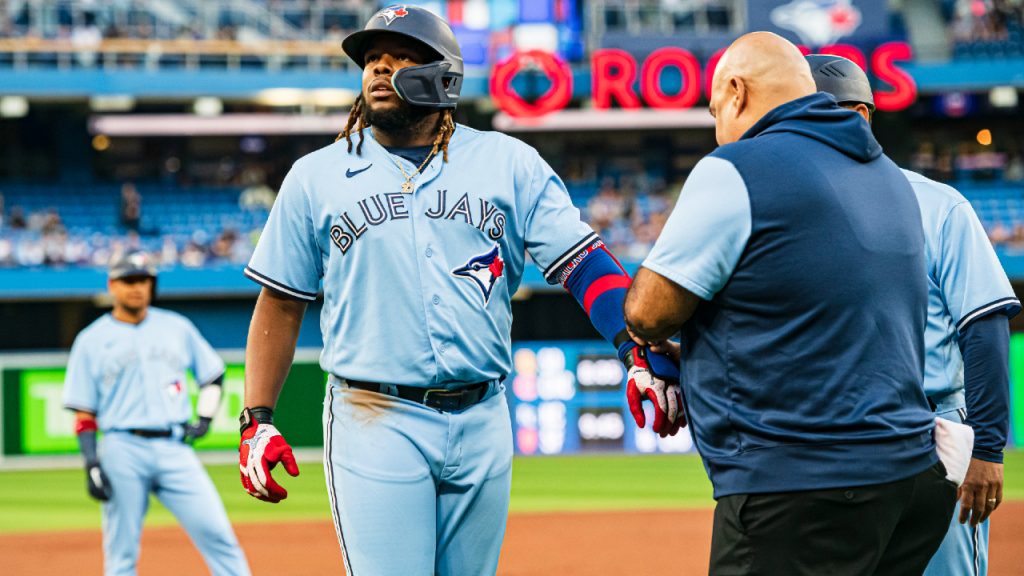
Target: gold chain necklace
{"points": [[407, 186]]}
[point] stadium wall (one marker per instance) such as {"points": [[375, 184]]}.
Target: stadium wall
{"points": [[565, 397]]}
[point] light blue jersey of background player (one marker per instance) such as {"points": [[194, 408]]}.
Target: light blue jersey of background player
{"points": [[128, 369], [966, 284], [966, 337]]}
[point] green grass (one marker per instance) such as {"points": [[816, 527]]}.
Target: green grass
{"points": [[56, 499]]}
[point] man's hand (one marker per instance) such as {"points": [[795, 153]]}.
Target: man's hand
{"points": [[668, 348], [981, 492], [97, 482], [664, 394], [262, 447], [195, 431]]}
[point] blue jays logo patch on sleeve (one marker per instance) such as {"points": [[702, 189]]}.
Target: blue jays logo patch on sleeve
{"points": [[483, 270]]}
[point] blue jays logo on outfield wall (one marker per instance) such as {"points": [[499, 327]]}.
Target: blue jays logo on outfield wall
{"points": [[483, 270], [818, 22]]}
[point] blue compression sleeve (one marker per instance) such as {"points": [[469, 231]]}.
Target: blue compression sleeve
{"points": [[598, 282], [985, 344]]}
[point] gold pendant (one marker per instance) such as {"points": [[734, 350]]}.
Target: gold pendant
{"points": [[407, 187]]}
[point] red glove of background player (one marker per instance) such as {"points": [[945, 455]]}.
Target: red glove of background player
{"points": [[666, 395], [262, 447]]}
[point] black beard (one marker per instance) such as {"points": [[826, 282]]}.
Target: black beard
{"points": [[401, 120]]}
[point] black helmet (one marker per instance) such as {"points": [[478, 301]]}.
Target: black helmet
{"points": [[134, 263], [433, 85], [841, 78]]}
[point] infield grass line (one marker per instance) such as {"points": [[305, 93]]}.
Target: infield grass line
{"points": [[53, 500]]}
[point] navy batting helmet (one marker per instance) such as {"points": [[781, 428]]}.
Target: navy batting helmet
{"points": [[841, 78], [433, 85], [133, 263]]}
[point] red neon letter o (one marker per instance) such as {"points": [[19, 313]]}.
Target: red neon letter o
{"points": [[513, 104], [658, 61]]}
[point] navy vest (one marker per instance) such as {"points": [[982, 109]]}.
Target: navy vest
{"points": [[804, 372]]}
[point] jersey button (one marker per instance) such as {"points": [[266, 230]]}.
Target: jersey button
{"points": [[436, 299], [429, 253], [442, 348]]}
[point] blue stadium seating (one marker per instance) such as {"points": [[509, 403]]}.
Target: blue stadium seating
{"points": [[166, 211]]}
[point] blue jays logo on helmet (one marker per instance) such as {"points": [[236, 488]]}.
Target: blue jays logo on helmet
{"points": [[390, 13], [818, 22], [483, 270]]}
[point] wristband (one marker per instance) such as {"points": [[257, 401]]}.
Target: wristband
{"points": [[261, 414]]}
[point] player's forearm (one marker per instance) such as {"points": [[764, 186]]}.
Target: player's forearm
{"points": [[656, 308], [85, 431], [270, 349], [599, 283], [984, 345]]}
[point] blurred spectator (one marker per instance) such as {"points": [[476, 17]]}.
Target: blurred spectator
{"points": [[194, 256], [6, 252], [168, 252], [86, 39], [51, 222], [223, 246], [131, 207], [256, 195], [1014, 169], [54, 246], [923, 161], [606, 207]]}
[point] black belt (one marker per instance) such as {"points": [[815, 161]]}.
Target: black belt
{"points": [[436, 398], [144, 433]]}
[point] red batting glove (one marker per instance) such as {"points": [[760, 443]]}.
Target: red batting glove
{"points": [[262, 447], [666, 395]]}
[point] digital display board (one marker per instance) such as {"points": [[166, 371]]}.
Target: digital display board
{"points": [[36, 422], [570, 397]]}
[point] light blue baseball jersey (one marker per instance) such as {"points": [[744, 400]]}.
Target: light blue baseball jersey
{"points": [[417, 286], [965, 281], [134, 375]]}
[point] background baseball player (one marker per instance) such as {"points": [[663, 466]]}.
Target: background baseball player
{"points": [[419, 257], [970, 302], [126, 378]]}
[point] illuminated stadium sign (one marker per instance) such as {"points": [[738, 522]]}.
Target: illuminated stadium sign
{"points": [[614, 74]]}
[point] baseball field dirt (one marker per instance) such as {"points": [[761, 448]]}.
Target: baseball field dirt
{"points": [[562, 543]]}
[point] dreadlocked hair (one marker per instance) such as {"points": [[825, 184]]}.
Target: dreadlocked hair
{"points": [[444, 134], [356, 122], [354, 116]]}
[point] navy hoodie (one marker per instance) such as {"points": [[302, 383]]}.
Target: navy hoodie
{"points": [[804, 371]]}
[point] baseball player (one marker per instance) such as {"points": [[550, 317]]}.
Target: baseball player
{"points": [[126, 378], [970, 302], [419, 229]]}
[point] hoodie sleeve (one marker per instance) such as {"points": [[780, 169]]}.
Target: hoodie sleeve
{"points": [[707, 231]]}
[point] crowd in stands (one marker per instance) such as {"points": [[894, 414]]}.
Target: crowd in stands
{"points": [[625, 203], [629, 218], [987, 28], [993, 180], [40, 237], [88, 22], [967, 162]]}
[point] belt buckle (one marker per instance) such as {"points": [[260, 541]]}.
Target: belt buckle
{"points": [[446, 400]]}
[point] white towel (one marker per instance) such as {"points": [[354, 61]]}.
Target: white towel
{"points": [[954, 443]]}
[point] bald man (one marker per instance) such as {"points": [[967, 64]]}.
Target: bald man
{"points": [[794, 265]]}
